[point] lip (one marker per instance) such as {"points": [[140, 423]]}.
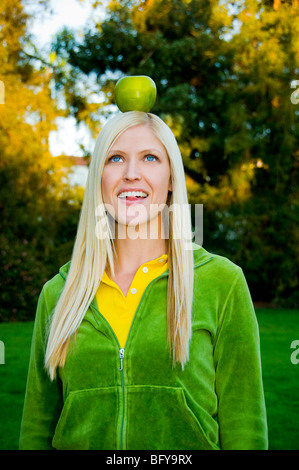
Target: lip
{"points": [[134, 200]]}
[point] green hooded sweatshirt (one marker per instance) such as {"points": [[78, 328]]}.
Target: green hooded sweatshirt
{"points": [[110, 398]]}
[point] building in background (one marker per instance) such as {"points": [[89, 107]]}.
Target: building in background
{"points": [[77, 169]]}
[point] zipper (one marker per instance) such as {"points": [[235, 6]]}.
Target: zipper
{"points": [[121, 356], [121, 369]]}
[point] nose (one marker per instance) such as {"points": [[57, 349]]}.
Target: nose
{"points": [[131, 171]]}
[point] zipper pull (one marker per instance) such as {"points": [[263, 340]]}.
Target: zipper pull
{"points": [[121, 356]]}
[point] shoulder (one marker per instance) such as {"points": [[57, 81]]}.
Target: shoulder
{"points": [[52, 289], [217, 278], [220, 288], [214, 265]]}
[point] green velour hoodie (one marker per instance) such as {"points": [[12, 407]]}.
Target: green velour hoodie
{"points": [[108, 398]]}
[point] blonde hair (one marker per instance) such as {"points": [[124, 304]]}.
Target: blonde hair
{"points": [[92, 254]]}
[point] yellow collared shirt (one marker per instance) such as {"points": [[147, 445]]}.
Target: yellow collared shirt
{"points": [[119, 310]]}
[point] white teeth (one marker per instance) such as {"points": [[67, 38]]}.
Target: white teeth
{"points": [[125, 194]]}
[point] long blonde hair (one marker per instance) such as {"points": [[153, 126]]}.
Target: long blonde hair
{"points": [[92, 254]]}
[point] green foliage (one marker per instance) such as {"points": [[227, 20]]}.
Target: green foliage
{"points": [[38, 229]]}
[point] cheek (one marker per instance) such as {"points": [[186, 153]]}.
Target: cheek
{"points": [[103, 189], [108, 181], [163, 181]]}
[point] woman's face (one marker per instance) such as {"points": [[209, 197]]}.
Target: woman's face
{"points": [[137, 161]]}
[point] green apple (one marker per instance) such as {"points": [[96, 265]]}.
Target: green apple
{"points": [[135, 93]]}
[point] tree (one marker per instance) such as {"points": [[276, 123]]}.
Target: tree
{"points": [[223, 74], [35, 202]]}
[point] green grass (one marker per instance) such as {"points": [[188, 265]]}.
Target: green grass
{"points": [[13, 374], [278, 328]]}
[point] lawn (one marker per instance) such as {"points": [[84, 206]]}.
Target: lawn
{"points": [[278, 328]]}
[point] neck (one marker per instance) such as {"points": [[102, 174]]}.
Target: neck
{"points": [[136, 245]]}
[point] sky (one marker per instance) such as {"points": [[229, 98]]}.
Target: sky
{"points": [[73, 14]]}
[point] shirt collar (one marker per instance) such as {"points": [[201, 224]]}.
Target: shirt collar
{"points": [[156, 263]]}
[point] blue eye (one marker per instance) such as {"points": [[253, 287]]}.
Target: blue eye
{"points": [[114, 156], [151, 156]]}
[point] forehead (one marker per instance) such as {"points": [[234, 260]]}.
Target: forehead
{"points": [[138, 137]]}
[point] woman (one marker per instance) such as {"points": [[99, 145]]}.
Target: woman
{"points": [[151, 345]]}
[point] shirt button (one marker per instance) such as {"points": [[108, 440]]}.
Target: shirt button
{"points": [[145, 270], [133, 291], [161, 260]]}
